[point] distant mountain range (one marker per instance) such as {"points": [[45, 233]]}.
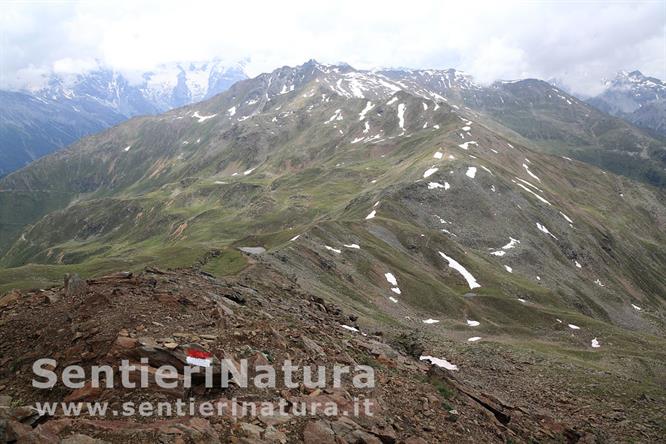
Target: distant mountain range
{"points": [[417, 202], [548, 119], [38, 121], [42, 120], [639, 99]]}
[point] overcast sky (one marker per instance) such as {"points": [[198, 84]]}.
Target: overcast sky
{"points": [[575, 41]]}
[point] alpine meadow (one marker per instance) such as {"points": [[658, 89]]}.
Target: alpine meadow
{"points": [[388, 249]]}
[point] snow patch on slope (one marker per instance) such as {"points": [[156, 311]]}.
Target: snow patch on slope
{"points": [[439, 362], [401, 116], [471, 280]]}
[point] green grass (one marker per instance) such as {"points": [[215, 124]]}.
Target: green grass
{"points": [[308, 183], [229, 262]]}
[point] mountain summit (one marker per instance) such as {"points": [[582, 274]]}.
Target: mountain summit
{"points": [[410, 206], [637, 98], [38, 120], [166, 87]]}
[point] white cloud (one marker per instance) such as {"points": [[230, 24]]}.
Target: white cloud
{"points": [[69, 65], [576, 42], [498, 60]]}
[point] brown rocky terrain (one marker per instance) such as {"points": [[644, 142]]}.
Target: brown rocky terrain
{"points": [[265, 317]]}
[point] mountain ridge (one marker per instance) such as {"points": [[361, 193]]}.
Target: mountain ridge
{"points": [[232, 115], [387, 199], [636, 98], [97, 100], [618, 147]]}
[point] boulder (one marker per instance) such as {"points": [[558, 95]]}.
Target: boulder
{"points": [[318, 432], [386, 434], [312, 347], [272, 435], [16, 431], [250, 430], [85, 393], [81, 439], [74, 285], [9, 298]]}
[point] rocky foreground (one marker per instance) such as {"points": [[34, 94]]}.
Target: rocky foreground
{"points": [[260, 316]]}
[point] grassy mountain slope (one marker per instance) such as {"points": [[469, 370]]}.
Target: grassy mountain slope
{"points": [[344, 178], [31, 127], [244, 163], [552, 121]]}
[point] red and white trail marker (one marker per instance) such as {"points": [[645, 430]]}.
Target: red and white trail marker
{"points": [[200, 358]]}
